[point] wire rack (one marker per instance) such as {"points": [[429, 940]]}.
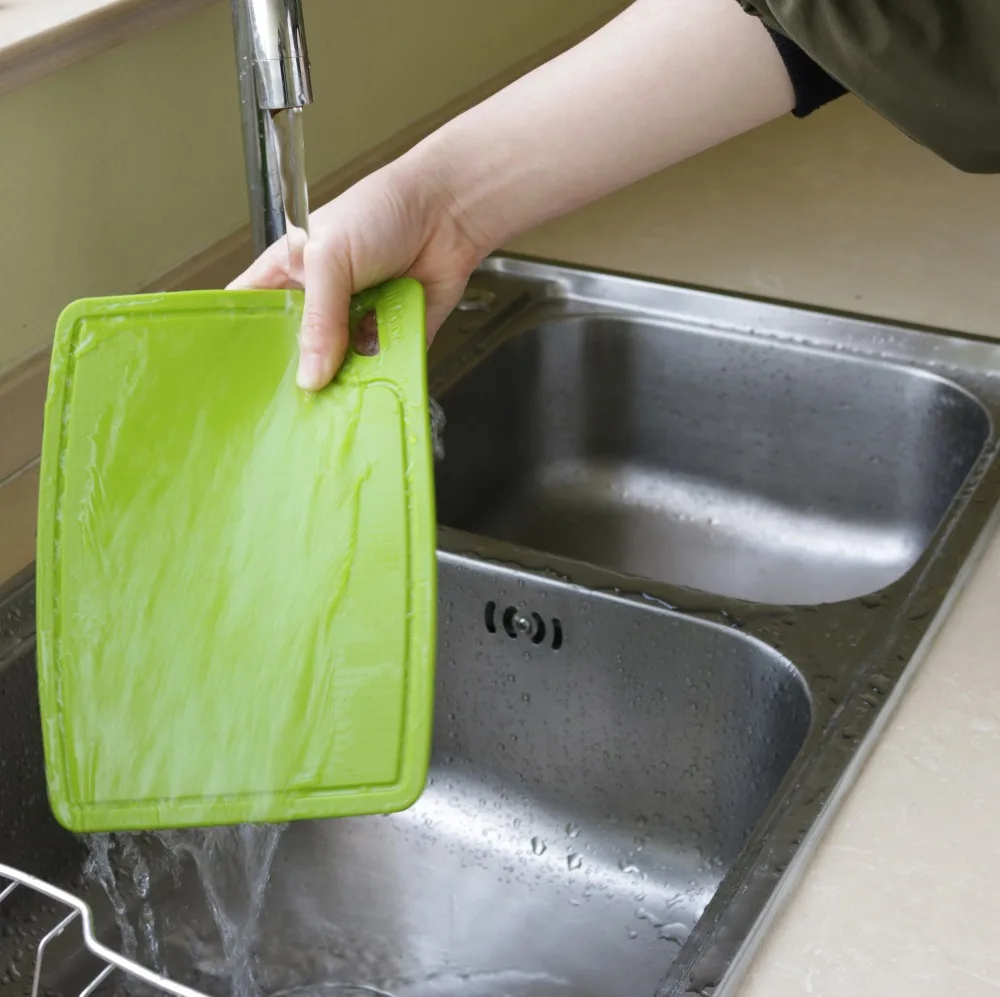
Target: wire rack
{"points": [[12, 881]]}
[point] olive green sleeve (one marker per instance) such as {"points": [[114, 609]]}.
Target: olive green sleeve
{"points": [[931, 67]]}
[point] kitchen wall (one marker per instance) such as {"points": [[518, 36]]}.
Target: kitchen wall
{"points": [[120, 167]]}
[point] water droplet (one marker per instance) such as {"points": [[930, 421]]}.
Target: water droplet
{"points": [[572, 830], [676, 933], [538, 846], [573, 861]]}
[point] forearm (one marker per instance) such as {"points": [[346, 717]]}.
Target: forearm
{"points": [[664, 80]]}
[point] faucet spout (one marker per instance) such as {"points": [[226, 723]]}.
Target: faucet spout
{"points": [[280, 58], [275, 84]]}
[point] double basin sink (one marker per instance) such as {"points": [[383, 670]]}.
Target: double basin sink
{"points": [[689, 546]]}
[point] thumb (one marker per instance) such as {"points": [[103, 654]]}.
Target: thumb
{"points": [[324, 336]]}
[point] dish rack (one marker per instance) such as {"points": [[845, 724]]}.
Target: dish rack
{"points": [[11, 880]]}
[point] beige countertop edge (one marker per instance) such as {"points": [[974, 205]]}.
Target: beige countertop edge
{"points": [[902, 894], [38, 37], [760, 967]]}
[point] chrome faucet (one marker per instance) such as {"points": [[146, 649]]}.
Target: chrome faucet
{"points": [[275, 85]]}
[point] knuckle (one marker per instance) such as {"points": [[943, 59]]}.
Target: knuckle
{"points": [[319, 253], [313, 251]]}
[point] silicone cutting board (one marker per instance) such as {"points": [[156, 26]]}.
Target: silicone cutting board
{"points": [[236, 579]]}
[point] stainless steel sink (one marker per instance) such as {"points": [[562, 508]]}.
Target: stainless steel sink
{"points": [[690, 545], [598, 760], [572, 788], [762, 470]]}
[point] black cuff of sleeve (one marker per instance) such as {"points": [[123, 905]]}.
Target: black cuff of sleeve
{"points": [[813, 86]]}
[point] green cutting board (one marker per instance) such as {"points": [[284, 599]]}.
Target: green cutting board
{"points": [[236, 578]]}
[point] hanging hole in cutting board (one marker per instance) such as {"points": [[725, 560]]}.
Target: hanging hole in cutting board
{"points": [[364, 336]]}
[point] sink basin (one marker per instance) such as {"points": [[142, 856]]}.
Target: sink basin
{"points": [[572, 790], [594, 775], [690, 545], [758, 470]]}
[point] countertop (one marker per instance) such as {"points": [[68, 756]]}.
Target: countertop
{"points": [[902, 895]]}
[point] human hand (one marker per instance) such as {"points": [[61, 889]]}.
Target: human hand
{"points": [[399, 221], [663, 80]]}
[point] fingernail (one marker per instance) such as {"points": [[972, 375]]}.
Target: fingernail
{"points": [[312, 372]]}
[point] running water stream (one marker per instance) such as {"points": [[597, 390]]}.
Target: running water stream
{"points": [[233, 865]]}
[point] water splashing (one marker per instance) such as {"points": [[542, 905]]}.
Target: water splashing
{"points": [[147, 919], [98, 868], [234, 866]]}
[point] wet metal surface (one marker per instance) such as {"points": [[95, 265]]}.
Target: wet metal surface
{"points": [[752, 469], [624, 768]]}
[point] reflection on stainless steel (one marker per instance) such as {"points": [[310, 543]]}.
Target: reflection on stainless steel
{"points": [[625, 769], [280, 58], [603, 787], [752, 469], [274, 78]]}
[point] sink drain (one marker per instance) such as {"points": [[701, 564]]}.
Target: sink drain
{"points": [[517, 623]]}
